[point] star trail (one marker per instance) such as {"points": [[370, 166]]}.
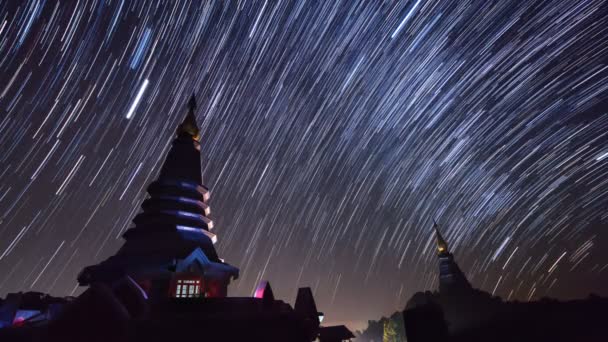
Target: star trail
{"points": [[333, 132]]}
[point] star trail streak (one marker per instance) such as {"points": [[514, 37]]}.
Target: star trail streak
{"points": [[332, 133], [140, 93]]}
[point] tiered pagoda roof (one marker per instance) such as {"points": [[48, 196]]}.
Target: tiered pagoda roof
{"points": [[175, 218]]}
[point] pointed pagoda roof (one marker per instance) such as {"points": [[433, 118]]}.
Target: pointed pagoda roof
{"points": [[451, 277], [442, 245], [183, 161], [175, 218], [178, 192], [189, 126]]}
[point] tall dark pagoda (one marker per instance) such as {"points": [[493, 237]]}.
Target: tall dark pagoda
{"points": [[451, 278], [170, 250], [166, 282]]}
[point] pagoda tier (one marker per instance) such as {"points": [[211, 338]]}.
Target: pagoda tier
{"points": [[175, 202], [172, 233]]}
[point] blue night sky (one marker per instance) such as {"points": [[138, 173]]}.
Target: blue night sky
{"points": [[332, 133]]}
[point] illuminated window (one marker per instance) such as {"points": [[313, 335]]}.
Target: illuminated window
{"points": [[188, 288]]}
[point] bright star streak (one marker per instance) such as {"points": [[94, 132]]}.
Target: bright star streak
{"points": [[405, 20], [140, 93]]}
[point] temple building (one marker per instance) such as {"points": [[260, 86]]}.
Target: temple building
{"points": [[167, 281]]}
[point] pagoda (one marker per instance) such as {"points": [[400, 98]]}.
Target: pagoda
{"points": [[167, 282], [170, 250], [460, 312], [451, 278]]}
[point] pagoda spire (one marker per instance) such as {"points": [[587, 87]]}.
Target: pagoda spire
{"points": [[189, 126], [442, 245], [451, 278], [184, 159]]}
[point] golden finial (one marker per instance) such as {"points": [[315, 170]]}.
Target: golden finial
{"points": [[189, 125]]}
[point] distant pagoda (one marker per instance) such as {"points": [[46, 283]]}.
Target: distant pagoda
{"points": [[451, 278], [459, 312], [170, 250]]}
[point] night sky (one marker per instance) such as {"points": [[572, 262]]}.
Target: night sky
{"points": [[332, 133]]}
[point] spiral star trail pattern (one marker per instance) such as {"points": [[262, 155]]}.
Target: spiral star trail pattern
{"points": [[333, 132]]}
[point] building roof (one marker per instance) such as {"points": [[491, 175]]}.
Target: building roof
{"points": [[335, 333]]}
